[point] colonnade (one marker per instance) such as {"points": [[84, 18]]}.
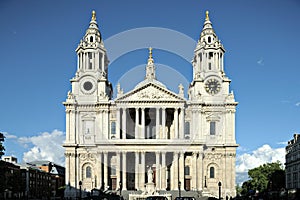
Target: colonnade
{"points": [[169, 169], [141, 130]]}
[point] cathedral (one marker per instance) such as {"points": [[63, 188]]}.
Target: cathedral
{"points": [[150, 136]]}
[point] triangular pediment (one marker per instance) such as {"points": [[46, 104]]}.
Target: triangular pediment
{"points": [[150, 92]]}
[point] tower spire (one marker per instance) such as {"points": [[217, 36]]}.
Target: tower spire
{"points": [[207, 16]]}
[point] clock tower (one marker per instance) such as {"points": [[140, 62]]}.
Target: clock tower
{"points": [[212, 108]]}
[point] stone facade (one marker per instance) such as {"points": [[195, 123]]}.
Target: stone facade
{"points": [[292, 169], [188, 143]]}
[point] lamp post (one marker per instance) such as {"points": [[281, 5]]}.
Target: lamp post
{"points": [[220, 185], [80, 184], [120, 186], [179, 192]]}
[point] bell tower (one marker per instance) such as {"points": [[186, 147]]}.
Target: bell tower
{"points": [[90, 83]]}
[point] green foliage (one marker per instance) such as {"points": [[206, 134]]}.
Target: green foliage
{"points": [[1, 145], [267, 177]]}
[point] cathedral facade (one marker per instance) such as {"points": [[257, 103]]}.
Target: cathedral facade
{"points": [[187, 143]]}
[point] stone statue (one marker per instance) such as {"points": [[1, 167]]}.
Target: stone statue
{"points": [[150, 175]]}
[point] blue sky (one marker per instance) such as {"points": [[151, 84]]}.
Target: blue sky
{"points": [[37, 59]]}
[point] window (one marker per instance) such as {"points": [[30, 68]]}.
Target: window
{"points": [[186, 170], [113, 128], [209, 39], [209, 66], [211, 172], [210, 55], [90, 60], [212, 128], [88, 172], [113, 170], [187, 128], [91, 39]]}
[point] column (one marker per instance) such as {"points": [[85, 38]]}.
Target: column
{"points": [[143, 124], [67, 165], [157, 170], [136, 171], [99, 174], [200, 176], [136, 131], [194, 170], [194, 134], [124, 164], [124, 124], [118, 123], [105, 170], [163, 123], [176, 123], [102, 62], [118, 168], [157, 124], [163, 171], [181, 123], [174, 178], [181, 170], [142, 170]]}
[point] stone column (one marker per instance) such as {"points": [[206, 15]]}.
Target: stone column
{"points": [[136, 131], [194, 170], [118, 124], [118, 168], [174, 178], [67, 165], [176, 123], [200, 172], [163, 123], [105, 170], [143, 124], [181, 169], [124, 164], [157, 170], [157, 124], [181, 123], [124, 124], [142, 171], [99, 174], [137, 170], [163, 171]]}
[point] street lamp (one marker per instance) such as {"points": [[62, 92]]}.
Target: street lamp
{"points": [[179, 185], [120, 186], [220, 185], [80, 184]]}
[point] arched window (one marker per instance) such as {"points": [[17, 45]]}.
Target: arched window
{"points": [[91, 39], [88, 172], [209, 39], [211, 172], [186, 170]]}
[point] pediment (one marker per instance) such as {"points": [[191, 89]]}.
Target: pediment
{"points": [[150, 92]]}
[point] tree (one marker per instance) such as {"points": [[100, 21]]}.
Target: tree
{"points": [[269, 176], [1, 146]]}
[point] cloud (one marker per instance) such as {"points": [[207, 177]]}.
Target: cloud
{"points": [[262, 155], [297, 104], [45, 146], [9, 136]]}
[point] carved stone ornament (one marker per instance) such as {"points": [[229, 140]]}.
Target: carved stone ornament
{"points": [[88, 157]]}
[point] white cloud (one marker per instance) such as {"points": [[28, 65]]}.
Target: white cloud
{"points": [[297, 104], [45, 146], [9, 136], [262, 155]]}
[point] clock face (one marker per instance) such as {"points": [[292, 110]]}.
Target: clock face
{"points": [[212, 86], [88, 86]]}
